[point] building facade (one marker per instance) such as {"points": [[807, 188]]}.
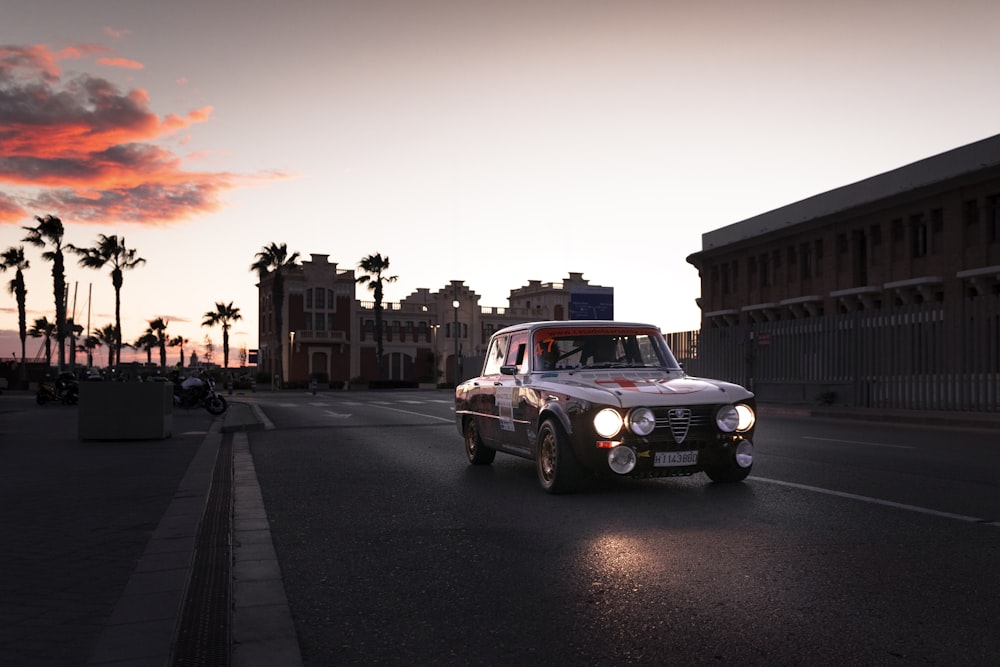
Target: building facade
{"points": [[430, 337], [882, 293]]}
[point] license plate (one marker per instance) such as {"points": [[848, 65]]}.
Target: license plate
{"points": [[666, 459]]}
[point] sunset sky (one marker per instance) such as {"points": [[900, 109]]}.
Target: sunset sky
{"points": [[490, 142]]}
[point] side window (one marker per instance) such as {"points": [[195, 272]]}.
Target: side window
{"points": [[496, 355], [517, 353]]}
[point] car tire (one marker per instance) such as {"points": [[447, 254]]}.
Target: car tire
{"points": [[478, 453], [558, 470], [727, 474]]}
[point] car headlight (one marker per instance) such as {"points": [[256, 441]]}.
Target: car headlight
{"points": [[608, 423], [747, 417], [641, 421], [727, 418]]}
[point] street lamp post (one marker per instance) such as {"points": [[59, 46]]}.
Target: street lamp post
{"points": [[291, 352], [434, 351], [454, 335]]}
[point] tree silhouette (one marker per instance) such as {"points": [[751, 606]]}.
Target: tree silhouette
{"points": [[374, 266], [179, 341], [273, 261], [42, 328], [110, 250], [91, 343], [107, 335], [158, 329], [73, 330], [49, 232], [13, 258], [224, 315], [146, 341]]}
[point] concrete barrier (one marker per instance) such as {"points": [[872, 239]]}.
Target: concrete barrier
{"points": [[125, 410]]}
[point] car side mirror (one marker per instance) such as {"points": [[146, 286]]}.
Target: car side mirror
{"points": [[508, 370]]}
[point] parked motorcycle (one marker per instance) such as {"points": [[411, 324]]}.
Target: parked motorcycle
{"points": [[198, 391], [65, 389]]}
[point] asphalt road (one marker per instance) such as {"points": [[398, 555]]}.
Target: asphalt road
{"points": [[850, 544]]}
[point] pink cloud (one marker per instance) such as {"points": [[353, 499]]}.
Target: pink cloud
{"points": [[84, 144]]}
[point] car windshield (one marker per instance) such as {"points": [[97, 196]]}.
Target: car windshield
{"points": [[573, 348]]}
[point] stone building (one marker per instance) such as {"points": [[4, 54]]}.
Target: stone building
{"points": [[893, 280], [430, 337]]}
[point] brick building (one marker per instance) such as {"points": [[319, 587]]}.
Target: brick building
{"points": [[428, 337]]}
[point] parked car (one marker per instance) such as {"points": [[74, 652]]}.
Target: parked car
{"points": [[601, 398]]}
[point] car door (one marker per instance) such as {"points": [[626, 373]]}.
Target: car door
{"points": [[514, 396], [484, 392]]}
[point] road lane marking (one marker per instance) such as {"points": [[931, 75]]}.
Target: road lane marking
{"points": [[420, 414], [857, 442], [879, 501], [336, 415]]}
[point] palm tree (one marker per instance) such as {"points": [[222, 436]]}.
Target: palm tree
{"points": [[42, 328], [224, 315], [49, 231], [179, 341], [91, 343], [107, 335], [147, 341], [111, 250], [273, 261], [374, 266], [158, 330], [13, 258], [73, 330]]}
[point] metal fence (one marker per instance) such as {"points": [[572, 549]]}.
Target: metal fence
{"points": [[908, 357]]}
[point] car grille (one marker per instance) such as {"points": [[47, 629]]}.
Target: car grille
{"points": [[683, 421]]}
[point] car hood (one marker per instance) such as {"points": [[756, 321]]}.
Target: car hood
{"points": [[642, 388]]}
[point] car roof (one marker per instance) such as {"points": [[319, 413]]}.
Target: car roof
{"points": [[570, 324]]}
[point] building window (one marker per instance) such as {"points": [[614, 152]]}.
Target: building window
{"points": [[937, 231], [970, 214], [805, 262], [309, 298], [841, 252], [918, 235], [818, 259], [875, 239], [725, 279], [765, 271], [993, 222], [898, 234]]}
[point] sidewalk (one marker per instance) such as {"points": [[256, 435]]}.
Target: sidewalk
{"points": [[99, 541], [988, 421]]}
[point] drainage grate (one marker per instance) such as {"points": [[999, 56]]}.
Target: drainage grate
{"points": [[203, 632]]}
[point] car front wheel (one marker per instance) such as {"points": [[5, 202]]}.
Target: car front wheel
{"points": [[558, 470], [478, 453], [725, 474]]}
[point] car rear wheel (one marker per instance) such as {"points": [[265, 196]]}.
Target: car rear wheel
{"points": [[558, 470], [478, 453]]}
